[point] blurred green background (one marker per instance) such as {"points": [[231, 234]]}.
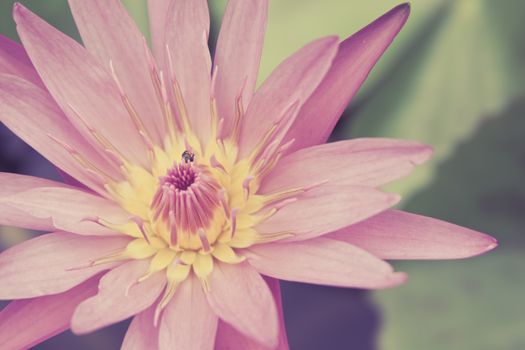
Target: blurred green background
{"points": [[454, 78]]}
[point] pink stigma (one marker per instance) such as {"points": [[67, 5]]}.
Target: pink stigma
{"points": [[186, 199], [180, 176]]}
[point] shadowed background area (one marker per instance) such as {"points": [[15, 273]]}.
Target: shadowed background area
{"points": [[454, 78]]}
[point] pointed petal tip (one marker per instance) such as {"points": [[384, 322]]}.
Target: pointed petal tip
{"points": [[425, 154], [488, 243], [421, 154], [17, 9], [21, 14], [331, 41], [393, 198], [494, 243], [398, 14], [328, 41], [332, 38], [481, 243], [76, 327], [398, 278], [394, 279], [402, 9]]}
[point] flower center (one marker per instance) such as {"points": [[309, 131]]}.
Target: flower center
{"points": [[180, 177], [186, 201], [188, 212]]}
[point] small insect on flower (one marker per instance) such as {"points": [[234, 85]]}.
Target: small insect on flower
{"points": [[188, 157]]}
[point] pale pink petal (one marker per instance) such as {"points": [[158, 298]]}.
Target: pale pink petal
{"points": [[142, 334], [84, 90], [119, 297], [228, 338], [395, 234], [187, 30], [46, 205], [53, 263], [25, 323], [366, 162], [110, 34], [14, 60], [188, 322], [293, 81], [237, 55], [326, 208], [323, 261], [239, 296], [11, 184], [356, 57], [32, 114], [158, 11]]}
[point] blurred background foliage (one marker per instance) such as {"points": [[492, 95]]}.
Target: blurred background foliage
{"points": [[454, 78]]}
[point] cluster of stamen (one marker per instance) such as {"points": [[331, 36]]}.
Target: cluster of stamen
{"points": [[180, 177], [186, 200]]}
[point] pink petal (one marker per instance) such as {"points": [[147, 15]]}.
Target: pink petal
{"points": [[53, 263], [11, 184], [32, 114], [109, 33], [326, 208], [46, 205], [366, 162], [323, 261], [240, 297], [158, 10], [356, 57], [395, 234], [94, 98], [25, 323], [231, 339], [187, 30], [293, 81], [142, 334], [188, 321], [119, 297], [237, 55], [14, 61]]}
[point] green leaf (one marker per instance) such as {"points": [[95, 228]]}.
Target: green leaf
{"points": [[293, 23], [138, 9], [474, 304], [56, 12], [10, 236], [467, 305], [460, 70]]}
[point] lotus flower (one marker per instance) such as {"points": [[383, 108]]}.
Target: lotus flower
{"points": [[186, 184]]}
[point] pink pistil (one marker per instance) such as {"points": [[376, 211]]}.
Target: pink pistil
{"points": [[186, 199]]}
